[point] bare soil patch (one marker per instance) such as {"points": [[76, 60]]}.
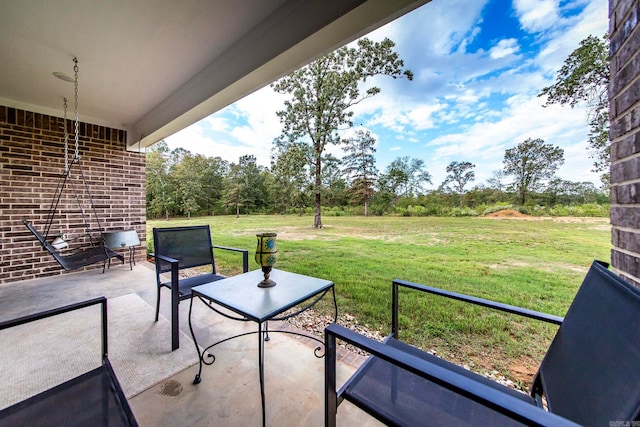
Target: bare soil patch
{"points": [[508, 213]]}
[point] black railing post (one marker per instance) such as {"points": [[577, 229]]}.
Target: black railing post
{"points": [[394, 310]]}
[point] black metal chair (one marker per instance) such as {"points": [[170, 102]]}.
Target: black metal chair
{"points": [[94, 398], [178, 248], [590, 374]]}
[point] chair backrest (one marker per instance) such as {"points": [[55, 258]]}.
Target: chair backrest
{"points": [[191, 246], [591, 372]]}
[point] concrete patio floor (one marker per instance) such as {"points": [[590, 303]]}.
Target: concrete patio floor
{"points": [[229, 394]]}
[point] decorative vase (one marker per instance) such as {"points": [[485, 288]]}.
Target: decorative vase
{"points": [[266, 256]]}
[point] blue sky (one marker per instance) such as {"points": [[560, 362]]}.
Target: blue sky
{"points": [[478, 66]]}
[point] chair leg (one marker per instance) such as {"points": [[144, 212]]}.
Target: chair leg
{"points": [[158, 304], [175, 318]]}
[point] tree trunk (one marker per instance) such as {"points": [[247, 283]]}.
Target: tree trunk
{"points": [[366, 208], [317, 220]]}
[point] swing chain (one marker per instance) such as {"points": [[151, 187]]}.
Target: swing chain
{"points": [[66, 138], [75, 70]]}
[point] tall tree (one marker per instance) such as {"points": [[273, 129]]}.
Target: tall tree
{"points": [[360, 167], [159, 184], [176, 155], [213, 175], [188, 174], [322, 94], [253, 189], [530, 163], [266, 183], [497, 180], [289, 164], [232, 197], [559, 191], [459, 175], [584, 78], [334, 185], [404, 176], [244, 185]]}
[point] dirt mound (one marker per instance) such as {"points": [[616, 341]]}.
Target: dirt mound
{"points": [[507, 213]]}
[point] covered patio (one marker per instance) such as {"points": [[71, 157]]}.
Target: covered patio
{"points": [[229, 393], [148, 70]]}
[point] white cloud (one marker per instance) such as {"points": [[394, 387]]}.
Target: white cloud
{"points": [[484, 142], [439, 27], [195, 139], [218, 124], [537, 15], [505, 47], [592, 21], [247, 127]]}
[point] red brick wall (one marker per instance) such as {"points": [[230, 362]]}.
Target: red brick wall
{"points": [[624, 97], [31, 164]]}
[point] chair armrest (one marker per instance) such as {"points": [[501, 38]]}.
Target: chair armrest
{"points": [[164, 258], [532, 314], [245, 255], [65, 309], [487, 396]]}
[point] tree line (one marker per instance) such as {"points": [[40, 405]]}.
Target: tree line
{"points": [[181, 183]]}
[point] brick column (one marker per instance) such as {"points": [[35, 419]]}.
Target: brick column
{"points": [[624, 99]]}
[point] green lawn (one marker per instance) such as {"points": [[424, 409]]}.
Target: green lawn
{"points": [[537, 263]]}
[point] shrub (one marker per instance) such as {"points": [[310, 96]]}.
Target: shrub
{"points": [[460, 212], [595, 210]]}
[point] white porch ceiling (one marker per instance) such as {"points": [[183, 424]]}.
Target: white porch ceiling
{"points": [[154, 67]]}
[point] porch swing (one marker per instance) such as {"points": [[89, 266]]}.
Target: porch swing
{"points": [[96, 251]]}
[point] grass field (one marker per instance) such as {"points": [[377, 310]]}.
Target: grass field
{"points": [[534, 263]]}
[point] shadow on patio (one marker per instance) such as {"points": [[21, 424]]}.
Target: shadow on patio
{"points": [[158, 382]]}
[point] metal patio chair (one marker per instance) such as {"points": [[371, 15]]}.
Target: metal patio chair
{"points": [[94, 398], [590, 374], [178, 248]]}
